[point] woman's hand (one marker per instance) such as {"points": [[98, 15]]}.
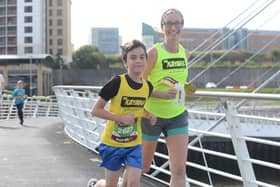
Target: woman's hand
{"points": [[171, 93], [152, 118]]}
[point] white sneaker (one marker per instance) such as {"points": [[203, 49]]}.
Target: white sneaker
{"points": [[120, 182], [92, 182]]}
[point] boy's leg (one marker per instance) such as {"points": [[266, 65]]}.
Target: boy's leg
{"points": [[111, 177], [132, 177]]}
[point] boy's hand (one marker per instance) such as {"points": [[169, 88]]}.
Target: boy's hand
{"points": [[128, 119]]}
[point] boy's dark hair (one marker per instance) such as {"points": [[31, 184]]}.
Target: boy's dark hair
{"points": [[128, 46]]}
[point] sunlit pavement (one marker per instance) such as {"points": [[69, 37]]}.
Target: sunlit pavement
{"points": [[40, 154]]}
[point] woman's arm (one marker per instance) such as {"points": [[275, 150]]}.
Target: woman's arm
{"points": [[152, 59]]}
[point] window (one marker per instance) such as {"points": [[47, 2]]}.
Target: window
{"points": [[51, 51], [59, 42], [60, 51], [59, 2], [28, 50], [59, 22], [50, 12], [27, 29], [28, 19], [50, 22], [28, 39], [50, 2], [50, 42], [28, 9], [59, 32], [50, 32], [27, 1], [59, 12]]}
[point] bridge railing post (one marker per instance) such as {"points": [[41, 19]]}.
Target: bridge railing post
{"points": [[240, 147]]}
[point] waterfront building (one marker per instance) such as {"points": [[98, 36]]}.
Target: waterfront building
{"points": [[223, 38], [107, 40]]}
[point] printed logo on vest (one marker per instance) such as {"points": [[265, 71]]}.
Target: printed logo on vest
{"points": [[128, 101], [173, 63]]}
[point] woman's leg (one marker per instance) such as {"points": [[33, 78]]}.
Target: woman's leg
{"points": [[149, 148], [177, 150]]}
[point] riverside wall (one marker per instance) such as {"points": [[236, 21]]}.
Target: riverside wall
{"points": [[93, 77]]}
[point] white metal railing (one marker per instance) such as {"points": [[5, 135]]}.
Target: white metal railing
{"points": [[223, 144], [33, 107]]}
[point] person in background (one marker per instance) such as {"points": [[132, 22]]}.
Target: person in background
{"points": [[167, 70], [122, 136], [2, 84], [19, 96]]}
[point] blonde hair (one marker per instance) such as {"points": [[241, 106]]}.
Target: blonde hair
{"points": [[19, 82]]}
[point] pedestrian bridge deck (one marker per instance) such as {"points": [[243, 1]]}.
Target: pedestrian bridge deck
{"points": [[41, 154]]}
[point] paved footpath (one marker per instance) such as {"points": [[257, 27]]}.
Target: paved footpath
{"points": [[40, 154]]}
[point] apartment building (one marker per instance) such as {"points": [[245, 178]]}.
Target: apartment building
{"points": [[36, 27], [59, 29], [22, 27], [32, 34]]}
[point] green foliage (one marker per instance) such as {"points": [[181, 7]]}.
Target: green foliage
{"points": [[273, 55], [88, 56], [235, 58], [115, 61]]}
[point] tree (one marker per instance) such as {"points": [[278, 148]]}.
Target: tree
{"points": [[88, 56], [275, 55]]}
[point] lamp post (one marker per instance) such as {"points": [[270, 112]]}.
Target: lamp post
{"points": [[60, 62], [30, 76]]}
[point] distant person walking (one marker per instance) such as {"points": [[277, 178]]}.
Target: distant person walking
{"points": [[2, 84], [19, 96]]}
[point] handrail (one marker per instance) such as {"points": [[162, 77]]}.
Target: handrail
{"points": [[237, 128], [32, 108]]}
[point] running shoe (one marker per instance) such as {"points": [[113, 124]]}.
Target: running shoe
{"points": [[92, 182]]}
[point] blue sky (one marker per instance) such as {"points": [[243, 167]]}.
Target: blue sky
{"points": [[128, 15]]}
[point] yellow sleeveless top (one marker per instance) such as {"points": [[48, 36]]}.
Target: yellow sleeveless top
{"points": [[126, 101], [175, 67]]}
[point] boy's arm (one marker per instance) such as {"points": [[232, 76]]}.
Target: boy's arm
{"points": [[99, 111]]}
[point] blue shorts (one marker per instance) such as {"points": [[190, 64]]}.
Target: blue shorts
{"points": [[114, 157], [169, 127]]}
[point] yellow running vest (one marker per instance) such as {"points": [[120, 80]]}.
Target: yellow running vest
{"points": [[126, 101], [172, 66]]}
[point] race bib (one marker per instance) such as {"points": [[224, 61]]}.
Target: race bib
{"points": [[124, 134], [180, 97]]}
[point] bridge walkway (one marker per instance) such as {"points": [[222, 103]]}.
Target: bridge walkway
{"points": [[41, 154]]}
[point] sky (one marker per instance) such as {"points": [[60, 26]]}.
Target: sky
{"points": [[128, 15]]}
